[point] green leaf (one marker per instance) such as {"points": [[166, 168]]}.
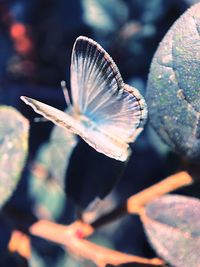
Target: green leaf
{"points": [[173, 94], [172, 224], [104, 16], [14, 130], [51, 164], [55, 154]]}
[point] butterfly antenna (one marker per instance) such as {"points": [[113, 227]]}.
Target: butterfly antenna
{"points": [[65, 92]]}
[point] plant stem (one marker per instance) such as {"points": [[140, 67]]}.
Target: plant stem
{"points": [[135, 204], [67, 236], [72, 236]]}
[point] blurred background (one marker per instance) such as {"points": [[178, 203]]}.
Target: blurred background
{"points": [[62, 172]]}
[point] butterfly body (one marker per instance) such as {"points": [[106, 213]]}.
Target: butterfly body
{"points": [[107, 113]]}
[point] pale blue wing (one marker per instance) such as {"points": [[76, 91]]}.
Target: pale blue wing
{"points": [[55, 115], [101, 142], [129, 122], [94, 76], [99, 93]]}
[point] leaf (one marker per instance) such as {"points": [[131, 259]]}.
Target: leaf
{"points": [[172, 224], [49, 171], [13, 149], [173, 94], [91, 176], [104, 16], [191, 2], [55, 154], [76, 167]]}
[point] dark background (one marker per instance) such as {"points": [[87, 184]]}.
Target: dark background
{"points": [[36, 39]]}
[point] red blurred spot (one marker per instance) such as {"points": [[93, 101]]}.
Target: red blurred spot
{"points": [[79, 234], [17, 30], [23, 45]]}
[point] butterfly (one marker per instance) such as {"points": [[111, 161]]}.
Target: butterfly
{"points": [[105, 112]]}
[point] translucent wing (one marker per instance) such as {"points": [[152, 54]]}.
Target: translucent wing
{"points": [[101, 142], [99, 93], [94, 76], [55, 115], [129, 122]]}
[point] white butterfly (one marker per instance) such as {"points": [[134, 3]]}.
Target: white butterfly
{"points": [[107, 113]]}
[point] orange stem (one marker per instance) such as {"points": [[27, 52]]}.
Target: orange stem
{"points": [[171, 183], [135, 204], [67, 236], [72, 236]]}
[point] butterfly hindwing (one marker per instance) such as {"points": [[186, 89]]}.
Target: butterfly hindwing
{"points": [[129, 122]]}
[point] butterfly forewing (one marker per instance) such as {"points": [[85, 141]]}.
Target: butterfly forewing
{"points": [[55, 115], [95, 138], [99, 92], [94, 76]]}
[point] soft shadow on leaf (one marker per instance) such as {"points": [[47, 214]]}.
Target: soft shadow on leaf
{"points": [[173, 94], [14, 260], [91, 175], [13, 149], [172, 225]]}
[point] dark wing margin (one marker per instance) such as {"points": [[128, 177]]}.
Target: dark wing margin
{"points": [[95, 77]]}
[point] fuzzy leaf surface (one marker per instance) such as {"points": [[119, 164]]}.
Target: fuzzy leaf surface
{"points": [[172, 224], [173, 89]]}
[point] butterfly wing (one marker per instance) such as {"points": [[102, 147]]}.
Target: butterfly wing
{"points": [[129, 122], [101, 142], [55, 115], [94, 76], [99, 92]]}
